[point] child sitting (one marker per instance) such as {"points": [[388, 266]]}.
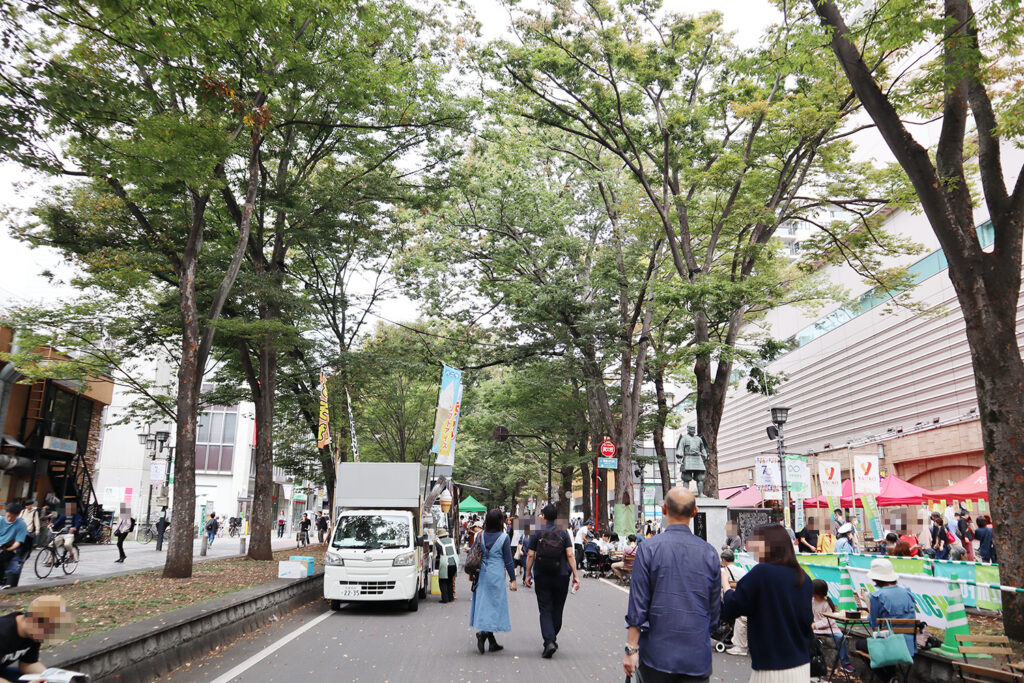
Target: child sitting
{"points": [[820, 604]]}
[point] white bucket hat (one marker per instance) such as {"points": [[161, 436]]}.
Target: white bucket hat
{"points": [[845, 529], [882, 570]]}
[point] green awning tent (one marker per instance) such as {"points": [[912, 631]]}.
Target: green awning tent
{"points": [[471, 504]]}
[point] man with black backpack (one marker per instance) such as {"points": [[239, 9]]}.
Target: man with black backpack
{"points": [[549, 561]]}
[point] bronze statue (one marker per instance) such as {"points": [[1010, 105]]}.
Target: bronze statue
{"points": [[694, 452]]}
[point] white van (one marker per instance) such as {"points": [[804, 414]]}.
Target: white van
{"points": [[375, 551]]}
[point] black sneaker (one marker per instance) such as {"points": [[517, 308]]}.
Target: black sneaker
{"points": [[549, 649]]}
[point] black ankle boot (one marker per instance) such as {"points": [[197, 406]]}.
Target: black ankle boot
{"points": [[493, 644], [481, 638]]}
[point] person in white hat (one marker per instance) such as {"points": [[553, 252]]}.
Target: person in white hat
{"points": [[889, 601], [845, 543]]}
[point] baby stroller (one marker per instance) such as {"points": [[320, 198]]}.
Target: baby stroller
{"points": [[595, 565], [721, 635]]}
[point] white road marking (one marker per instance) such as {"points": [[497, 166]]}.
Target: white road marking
{"points": [[269, 650], [615, 585]]}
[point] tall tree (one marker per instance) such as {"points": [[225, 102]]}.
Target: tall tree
{"points": [[970, 59], [153, 104], [539, 228], [724, 145]]}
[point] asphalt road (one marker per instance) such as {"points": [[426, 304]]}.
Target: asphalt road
{"points": [[375, 642]]}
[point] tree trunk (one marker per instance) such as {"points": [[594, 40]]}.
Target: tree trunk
{"points": [[587, 477], [659, 432], [262, 505], [178, 564], [565, 492], [999, 378]]}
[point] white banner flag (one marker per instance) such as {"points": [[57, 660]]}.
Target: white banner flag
{"points": [[768, 476], [865, 474], [830, 476], [798, 477]]}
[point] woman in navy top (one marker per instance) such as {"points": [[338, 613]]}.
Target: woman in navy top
{"points": [[775, 596], [489, 611]]}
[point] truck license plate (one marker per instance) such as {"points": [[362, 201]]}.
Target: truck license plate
{"points": [[350, 591]]}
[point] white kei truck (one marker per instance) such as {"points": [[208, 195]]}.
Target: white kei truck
{"points": [[376, 550]]}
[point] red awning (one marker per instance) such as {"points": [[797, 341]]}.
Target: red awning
{"points": [[894, 491], [748, 498], [974, 487]]}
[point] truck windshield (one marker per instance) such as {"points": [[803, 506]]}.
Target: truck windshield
{"points": [[368, 532]]}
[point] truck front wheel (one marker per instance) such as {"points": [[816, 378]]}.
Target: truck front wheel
{"points": [[335, 605], [422, 593], [414, 603]]}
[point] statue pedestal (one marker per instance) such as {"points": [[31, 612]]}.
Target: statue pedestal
{"points": [[709, 524]]}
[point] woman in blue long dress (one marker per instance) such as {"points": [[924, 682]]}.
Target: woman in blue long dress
{"points": [[488, 613]]}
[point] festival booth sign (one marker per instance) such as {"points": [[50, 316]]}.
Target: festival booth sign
{"points": [[978, 581], [932, 594]]}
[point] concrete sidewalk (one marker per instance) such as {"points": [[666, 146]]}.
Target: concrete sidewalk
{"points": [[97, 561]]}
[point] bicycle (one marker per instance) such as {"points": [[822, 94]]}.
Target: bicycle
{"points": [[50, 556], [147, 533]]}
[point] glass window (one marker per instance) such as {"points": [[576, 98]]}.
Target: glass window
{"points": [[203, 436], [368, 532], [217, 428], [200, 457], [226, 457], [229, 428]]}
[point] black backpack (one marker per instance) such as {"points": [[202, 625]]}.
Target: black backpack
{"points": [[819, 665], [550, 551], [132, 527]]}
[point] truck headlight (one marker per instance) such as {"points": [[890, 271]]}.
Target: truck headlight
{"points": [[406, 560], [333, 560]]}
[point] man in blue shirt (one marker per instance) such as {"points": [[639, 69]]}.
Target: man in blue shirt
{"points": [[12, 536], [674, 598]]}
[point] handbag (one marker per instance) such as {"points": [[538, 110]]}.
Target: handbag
{"points": [[475, 558], [888, 649]]}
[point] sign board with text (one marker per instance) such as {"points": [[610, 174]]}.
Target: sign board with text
{"points": [[608, 449], [608, 463]]}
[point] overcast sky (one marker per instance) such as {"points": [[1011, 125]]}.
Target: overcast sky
{"points": [[22, 268]]}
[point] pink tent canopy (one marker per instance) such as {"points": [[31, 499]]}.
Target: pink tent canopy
{"points": [[894, 491], [727, 493], [974, 487], [748, 498]]}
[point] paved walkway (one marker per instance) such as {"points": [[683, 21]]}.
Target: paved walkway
{"points": [[382, 642], [97, 561]]}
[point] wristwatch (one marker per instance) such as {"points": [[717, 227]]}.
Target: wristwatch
{"points": [[630, 650]]}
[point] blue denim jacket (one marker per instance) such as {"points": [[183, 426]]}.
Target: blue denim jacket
{"points": [[896, 602]]}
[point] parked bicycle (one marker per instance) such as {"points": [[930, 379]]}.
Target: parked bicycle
{"points": [[147, 533], [51, 556]]}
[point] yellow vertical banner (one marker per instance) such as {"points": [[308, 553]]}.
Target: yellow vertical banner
{"points": [[323, 432]]}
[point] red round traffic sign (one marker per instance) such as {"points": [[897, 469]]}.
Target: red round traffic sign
{"points": [[608, 448]]}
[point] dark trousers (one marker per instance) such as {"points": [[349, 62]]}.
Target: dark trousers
{"points": [[579, 556], [280, 530], [447, 588], [551, 593], [120, 545], [160, 538], [649, 675]]}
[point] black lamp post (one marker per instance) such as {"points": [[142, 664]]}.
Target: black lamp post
{"points": [[501, 435], [779, 416], [154, 443]]}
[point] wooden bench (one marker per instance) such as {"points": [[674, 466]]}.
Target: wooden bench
{"points": [[994, 646], [972, 673], [905, 627]]}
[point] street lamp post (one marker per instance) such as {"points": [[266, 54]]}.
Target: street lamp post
{"points": [[155, 443], [501, 435], [779, 416]]}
